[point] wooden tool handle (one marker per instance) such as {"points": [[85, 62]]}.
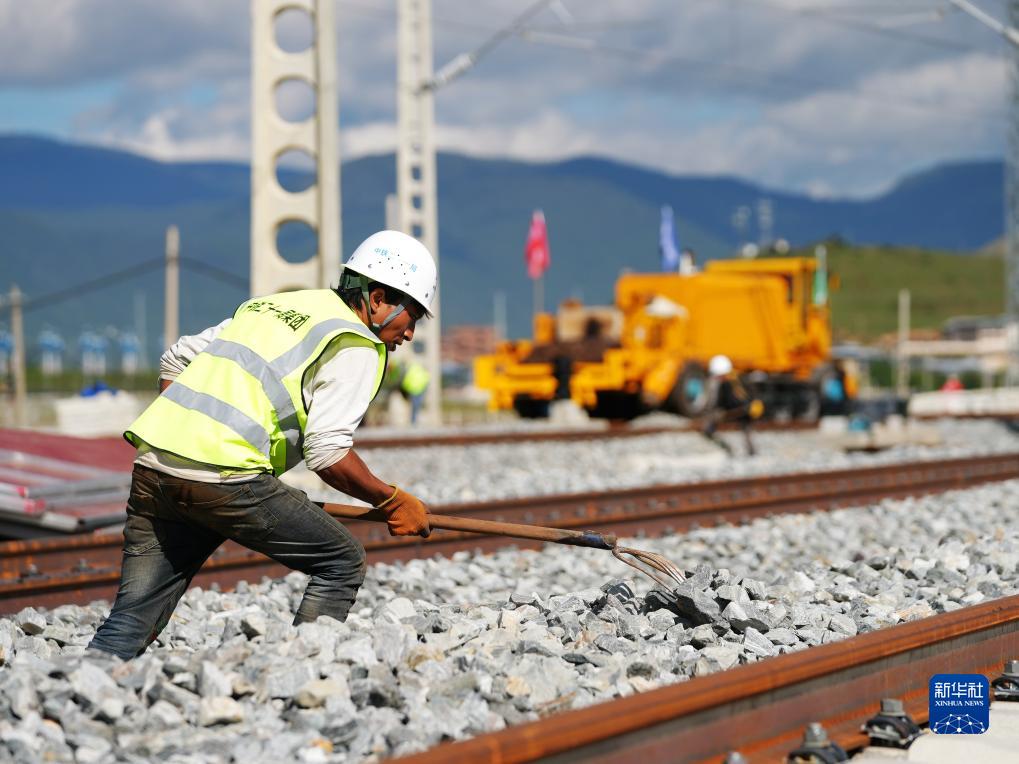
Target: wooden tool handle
{"points": [[490, 527]]}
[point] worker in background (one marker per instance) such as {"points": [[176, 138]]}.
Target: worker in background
{"points": [[729, 401], [687, 261], [414, 381], [833, 391], [287, 379]]}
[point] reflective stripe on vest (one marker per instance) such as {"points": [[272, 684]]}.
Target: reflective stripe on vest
{"points": [[223, 412], [231, 406], [271, 373], [272, 384]]}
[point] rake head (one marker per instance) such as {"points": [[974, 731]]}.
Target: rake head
{"points": [[652, 565]]}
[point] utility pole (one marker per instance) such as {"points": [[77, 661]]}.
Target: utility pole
{"points": [[902, 376], [18, 359], [765, 223], [499, 315], [140, 328], [1012, 205], [417, 205], [1011, 35], [171, 307], [417, 198]]}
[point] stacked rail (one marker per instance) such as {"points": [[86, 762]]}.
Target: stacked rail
{"points": [[36, 490]]}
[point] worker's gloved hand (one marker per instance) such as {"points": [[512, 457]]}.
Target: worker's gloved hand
{"points": [[756, 408], [406, 514]]}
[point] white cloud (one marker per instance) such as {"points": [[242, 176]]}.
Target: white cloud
{"points": [[155, 138], [819, 189], [937, 97], [63, 42], [794, 143], [702, 87], [367, 138], [182, 132]]}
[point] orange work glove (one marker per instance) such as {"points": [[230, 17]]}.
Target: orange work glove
{"points": [[406, 514]]}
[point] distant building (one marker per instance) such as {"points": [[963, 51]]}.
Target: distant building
{"points": [[460, 344], [972, 327], [982, 343]]}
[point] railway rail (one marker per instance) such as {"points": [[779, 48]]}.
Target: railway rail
{"points": [[79, 569], [761, 710], [612, 430]]}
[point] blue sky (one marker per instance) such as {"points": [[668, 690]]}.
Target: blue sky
{"points": [[832, 97]]}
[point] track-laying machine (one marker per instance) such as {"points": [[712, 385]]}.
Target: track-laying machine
{"points": [[650, 350]]}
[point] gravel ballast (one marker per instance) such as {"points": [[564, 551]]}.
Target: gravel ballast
{"points": [[449, 648], [454, 474]]}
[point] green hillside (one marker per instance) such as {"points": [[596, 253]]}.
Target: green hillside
{"points": [[942, 285]]}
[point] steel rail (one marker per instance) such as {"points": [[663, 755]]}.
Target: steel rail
{"points": [[761, 709], [54, 571], [612, 431]]}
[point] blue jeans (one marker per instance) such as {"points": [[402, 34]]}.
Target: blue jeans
{"points": [[173, 525]]}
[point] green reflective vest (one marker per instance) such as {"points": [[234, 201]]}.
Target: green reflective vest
{"points": [[239, 403], [415, 379]]}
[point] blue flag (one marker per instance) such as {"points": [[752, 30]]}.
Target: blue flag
{"points": [[666, 242]]}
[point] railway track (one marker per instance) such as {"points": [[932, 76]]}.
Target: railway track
{"points": [[612, 430], [79, 569], [761, 710], [45, 489]]}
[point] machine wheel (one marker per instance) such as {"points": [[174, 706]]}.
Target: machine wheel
{"points": [[809, 405], [616, 405], [530, 408], [691, 396]]}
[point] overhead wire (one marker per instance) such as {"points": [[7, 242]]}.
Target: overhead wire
{"points": [[738, 73], [828, 16], [220, 274], [93, 285], [103, 282], [822, 15], [466, 61]]}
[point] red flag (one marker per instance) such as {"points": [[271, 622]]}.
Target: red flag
{"points": [[536, 252]]}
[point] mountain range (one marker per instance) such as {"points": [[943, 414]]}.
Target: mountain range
{"points": [[72, 214]]}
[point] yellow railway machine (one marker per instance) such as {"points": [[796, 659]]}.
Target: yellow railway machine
{"points": [[650, 350]]}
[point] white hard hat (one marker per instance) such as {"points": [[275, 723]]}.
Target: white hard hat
{"points": [[719, 365], [398, 261]]}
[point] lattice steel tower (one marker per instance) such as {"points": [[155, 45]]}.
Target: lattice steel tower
{"points": [[1010, 32], [417, 199], [1012, 199], [272, 206]]}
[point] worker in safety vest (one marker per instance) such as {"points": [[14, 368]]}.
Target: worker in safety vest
{"points": [[287, 378], [729, 400], [414, 381]]}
